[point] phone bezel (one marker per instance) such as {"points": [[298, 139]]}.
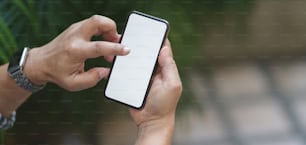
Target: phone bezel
{"points": [[155, 66]]}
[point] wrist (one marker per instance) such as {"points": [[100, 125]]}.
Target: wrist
{"points": [[159, 131], [35, 68]]}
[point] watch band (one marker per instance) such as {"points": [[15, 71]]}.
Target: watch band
{"points": [[15, 70], [6, 123], [23, 82]]}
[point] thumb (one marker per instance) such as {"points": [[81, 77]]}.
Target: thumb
{"points": [[89, 78], [167, 64]]}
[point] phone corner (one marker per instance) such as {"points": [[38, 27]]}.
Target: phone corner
{"points": [[105, 93], [138, 107]]}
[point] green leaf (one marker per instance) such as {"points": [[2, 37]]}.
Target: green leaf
{"points": [[28, 12], [7, 41], [23, 8]]}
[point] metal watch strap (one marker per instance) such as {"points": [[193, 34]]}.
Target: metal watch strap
{"points": [[23, 82], [6, 123], [15, 70]]}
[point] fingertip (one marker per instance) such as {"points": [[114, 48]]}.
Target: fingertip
{"points": [[103, 72], [126, 50], [166, 57], [162, 56], [166, 51], [117, 39], [112, 37], [167, 43], [87, 79], [119, 49]]}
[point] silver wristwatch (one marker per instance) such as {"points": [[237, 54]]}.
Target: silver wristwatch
{"points": [[15, 70], [6, 123]]}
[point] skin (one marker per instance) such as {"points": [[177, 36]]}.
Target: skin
{"points": [[62, 62], [156, 120]]}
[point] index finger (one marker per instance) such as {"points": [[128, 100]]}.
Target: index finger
{"points": [[95, 49], [99, 25]]}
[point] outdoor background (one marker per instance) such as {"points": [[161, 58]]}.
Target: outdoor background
{"points": [[242, 64]]}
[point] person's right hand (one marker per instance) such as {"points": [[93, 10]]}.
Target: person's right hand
{"points": [[62, 60], [156, 120]]}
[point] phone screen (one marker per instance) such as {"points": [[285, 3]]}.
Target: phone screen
{"points": [[130, 75]]}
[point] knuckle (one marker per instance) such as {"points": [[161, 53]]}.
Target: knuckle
{"points": [[101, 19], [70, 47], [93, 82], [67, 85], [96, 48], [71, 87], [95, 18], [73, 26], [70, 84], [113, 49], [96, 78], [117, 48], [176, 87], [109, 23]]}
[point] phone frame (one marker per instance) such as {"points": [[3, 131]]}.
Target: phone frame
{"points": [[155, 66]]}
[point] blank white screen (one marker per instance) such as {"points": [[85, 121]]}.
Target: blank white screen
{"points": [[130, 76]]}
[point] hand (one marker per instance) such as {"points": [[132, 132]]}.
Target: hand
{"points": [[62, 60], [156, 120]]}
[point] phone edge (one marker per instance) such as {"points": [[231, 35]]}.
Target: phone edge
{"points": [[156, 61]]}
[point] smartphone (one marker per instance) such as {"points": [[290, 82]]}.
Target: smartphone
{"points": [[130, 75]]}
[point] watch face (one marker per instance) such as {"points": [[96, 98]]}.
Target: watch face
{"points": [[14, 61]]}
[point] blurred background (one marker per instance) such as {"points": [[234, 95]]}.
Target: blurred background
{"points": [[242, 64]]}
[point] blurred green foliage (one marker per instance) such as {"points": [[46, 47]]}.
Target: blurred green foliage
{"points": [[36, 22]]}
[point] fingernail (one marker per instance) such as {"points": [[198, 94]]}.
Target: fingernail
{"points": [[126, 50]]}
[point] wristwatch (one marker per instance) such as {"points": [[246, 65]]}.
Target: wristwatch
{"points": [[15, 71], [6, 123]]}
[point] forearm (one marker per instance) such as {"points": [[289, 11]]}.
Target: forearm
{"points": [[155, 133], [11, 95]]}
